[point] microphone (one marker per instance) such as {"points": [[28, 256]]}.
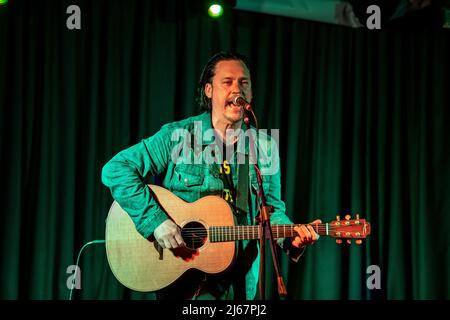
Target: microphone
{"points": [[240, 101]]}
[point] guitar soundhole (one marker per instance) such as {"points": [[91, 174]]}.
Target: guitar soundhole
{"points": [[194, 235]]}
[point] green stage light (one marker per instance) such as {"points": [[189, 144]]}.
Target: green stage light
{"points": [[215, 10], [3, 2]]}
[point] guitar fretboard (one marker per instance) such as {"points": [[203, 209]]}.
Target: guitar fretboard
{"points": [[337, 229], [233, 233]]}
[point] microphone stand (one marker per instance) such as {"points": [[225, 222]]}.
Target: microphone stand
{"points": [[265, 228]]}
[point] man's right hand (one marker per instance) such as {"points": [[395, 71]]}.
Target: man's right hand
{"points": [[168, 235]]}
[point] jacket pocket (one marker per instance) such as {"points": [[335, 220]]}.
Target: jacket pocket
{"points": [[189, 176]]}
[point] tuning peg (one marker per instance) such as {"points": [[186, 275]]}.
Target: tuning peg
{"points": [[338, 218], [358, 242], [349, 241], [357, 216], [348, 217], [338, 241]]}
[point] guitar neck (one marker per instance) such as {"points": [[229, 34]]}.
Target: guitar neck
{"points": [[233, 233]]}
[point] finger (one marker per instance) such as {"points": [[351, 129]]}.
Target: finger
{"points": [[167, 244], [316, 221], [179, 240], [306, 233], [296, 242], [173, 242], [314, 235], [161, 244], [300, 232], [310, 234]]}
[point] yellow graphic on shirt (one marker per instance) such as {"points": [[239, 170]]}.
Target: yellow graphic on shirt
{"points": [[226, 167], [227, 195]]}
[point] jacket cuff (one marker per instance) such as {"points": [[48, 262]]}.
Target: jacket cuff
{"points": [[147, 228]]}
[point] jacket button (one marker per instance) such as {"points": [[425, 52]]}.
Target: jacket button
{"points": [[186, 180]]}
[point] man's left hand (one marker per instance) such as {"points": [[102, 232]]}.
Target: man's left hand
{"points": [[306, 235]]}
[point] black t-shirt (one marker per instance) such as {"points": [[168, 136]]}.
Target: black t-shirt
{"points": [[227, 169]]}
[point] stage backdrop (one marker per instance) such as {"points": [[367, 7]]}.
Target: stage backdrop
{"points": [[364, 128]]}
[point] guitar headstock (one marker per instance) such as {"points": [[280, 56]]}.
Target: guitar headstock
{"points": [[349, 229]]}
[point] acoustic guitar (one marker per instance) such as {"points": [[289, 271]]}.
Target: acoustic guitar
{"points": [[208, 229]]}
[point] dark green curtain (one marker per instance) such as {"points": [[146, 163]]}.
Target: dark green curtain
{"points": [[363, 119]]}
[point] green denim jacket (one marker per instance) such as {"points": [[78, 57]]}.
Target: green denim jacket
{"points": [[128, 172]]}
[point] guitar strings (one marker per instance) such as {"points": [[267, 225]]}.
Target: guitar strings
{"points": [[198, 232], [240, 228]]}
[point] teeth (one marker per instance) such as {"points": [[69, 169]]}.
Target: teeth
{"points": [[232, 105]]}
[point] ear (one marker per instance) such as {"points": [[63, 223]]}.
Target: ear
{"points": [[208, 90]]}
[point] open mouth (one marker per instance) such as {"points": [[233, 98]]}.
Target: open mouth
{"points": [[234, 107]]}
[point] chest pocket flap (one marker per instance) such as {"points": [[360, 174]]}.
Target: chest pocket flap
{"points": [[190, 175]]}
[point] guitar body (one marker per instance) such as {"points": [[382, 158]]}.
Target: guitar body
{"points": [[138, 264]]}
